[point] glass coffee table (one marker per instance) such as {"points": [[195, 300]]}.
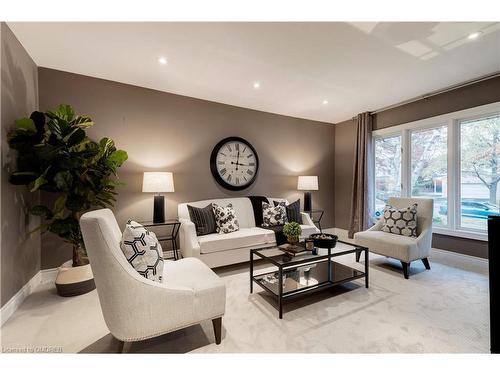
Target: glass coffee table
{"points": [[292, 277]]}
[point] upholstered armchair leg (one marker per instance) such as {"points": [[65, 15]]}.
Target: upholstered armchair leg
{"points": [[406, 267], [358, 255], [425, 261], [217, 323], [123, 347]]}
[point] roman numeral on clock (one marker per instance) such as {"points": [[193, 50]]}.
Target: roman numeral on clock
{"points": [[229, 177], [223, 171], [249, 172]]}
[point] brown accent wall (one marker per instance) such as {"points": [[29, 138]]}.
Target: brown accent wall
{"points": [[481, 93], [20, 252], [168, 132]]}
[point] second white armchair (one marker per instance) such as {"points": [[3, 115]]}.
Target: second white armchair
{"points": [[402, 248]]}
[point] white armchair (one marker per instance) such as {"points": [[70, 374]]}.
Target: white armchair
{"points": [[136, 308], [402, 248]]}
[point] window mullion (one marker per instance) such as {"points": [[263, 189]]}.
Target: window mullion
{"points": [[405, 164]]}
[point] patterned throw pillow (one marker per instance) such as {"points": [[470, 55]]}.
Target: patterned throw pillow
{"points": [[292, 211], [274, 215], [203, 219], [401, 221], [225, 218], [143, 251]]}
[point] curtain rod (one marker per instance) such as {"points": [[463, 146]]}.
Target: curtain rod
{"points": [[437, 92]]}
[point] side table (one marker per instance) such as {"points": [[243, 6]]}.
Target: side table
{"points": [[172, 237]]}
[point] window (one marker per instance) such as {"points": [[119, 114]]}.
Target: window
{"points": [[429, 166], [387, 171], [479, 171], [453, 159]]}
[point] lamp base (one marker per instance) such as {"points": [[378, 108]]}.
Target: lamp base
{"points": [[307, 201], [159, 209]]}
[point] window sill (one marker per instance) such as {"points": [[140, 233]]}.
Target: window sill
{"points": [[461, 233]]}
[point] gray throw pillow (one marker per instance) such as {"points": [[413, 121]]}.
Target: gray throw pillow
{"points": [[142, 250], [292, 211], [203, 219], [402, 221]]}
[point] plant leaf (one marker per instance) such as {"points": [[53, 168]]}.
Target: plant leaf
{"points": [[118, 157], [39, 182], [63, 180], [59, 206], [22, 178], [65, 112], [82, 122], [40, 210], [26, 124]]}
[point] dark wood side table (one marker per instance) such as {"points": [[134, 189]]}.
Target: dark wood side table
{"points": [[316, 216], [172, 237]]}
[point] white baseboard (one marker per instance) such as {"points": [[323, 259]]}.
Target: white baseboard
{"points": [[41, 277], [17, 299], [49, 275]]}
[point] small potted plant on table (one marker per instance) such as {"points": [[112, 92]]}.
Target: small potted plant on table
{"points": [[292, 231]]}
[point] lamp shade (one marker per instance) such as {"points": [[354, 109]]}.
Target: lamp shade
{"points": [[307, 183], [158, 182]]}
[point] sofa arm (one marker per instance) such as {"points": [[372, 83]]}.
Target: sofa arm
{"points": [[306, 219], [190, 246], [377, 226]]}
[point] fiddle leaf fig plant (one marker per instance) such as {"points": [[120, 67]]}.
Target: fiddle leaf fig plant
{"points": [[54, 154]]}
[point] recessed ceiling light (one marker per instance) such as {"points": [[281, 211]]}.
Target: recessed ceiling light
{"points": [[475, 35], [256, 85], [162, 60], [325, 102]]}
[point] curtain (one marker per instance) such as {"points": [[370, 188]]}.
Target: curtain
{"points": [[360, 218]]}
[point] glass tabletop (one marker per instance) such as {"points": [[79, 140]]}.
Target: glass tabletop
{"points": [[279, 258], [310, 276]]}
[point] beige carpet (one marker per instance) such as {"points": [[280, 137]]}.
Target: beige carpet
{"points": [[444, 310]]}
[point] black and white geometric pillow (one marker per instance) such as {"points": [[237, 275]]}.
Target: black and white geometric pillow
{"points": [[274, 215], [401, 221], [225, 218], [142, 250]]}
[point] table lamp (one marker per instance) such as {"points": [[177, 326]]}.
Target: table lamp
{"points": [[158, 182], [307, 183]]}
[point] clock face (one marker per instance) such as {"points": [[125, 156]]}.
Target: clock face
{"points": [[234, 163]]}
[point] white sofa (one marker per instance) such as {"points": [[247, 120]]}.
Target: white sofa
{"points": [[136, 308], [223, 249]]}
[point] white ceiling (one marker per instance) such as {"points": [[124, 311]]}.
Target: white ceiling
{"points": [[355, 66]]}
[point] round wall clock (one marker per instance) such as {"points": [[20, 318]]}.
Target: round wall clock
{"points": [[234, 163]]}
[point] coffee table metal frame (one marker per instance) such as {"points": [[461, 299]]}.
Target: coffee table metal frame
{"points": [[281, 296]]}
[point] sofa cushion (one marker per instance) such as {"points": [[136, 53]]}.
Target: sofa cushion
{"points": [[244, 237], [392, 245], [208, 288], [402, 221], [203, 219], [143, 251], [225, 218], [273, 214], [292, 211]]}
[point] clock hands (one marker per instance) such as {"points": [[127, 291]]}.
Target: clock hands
{"points": [[238, 159]]}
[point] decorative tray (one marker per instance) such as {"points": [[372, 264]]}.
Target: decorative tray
{"points": [[324, 240]]}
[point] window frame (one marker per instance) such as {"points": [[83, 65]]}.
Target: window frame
{"points": [[452, 121]]}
